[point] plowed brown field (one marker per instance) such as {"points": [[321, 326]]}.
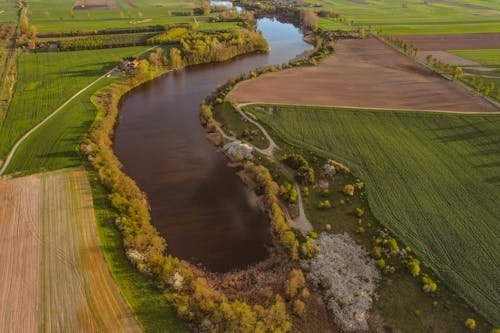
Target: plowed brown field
{"points": [[54, 277], [454, 41], [362, 73]]}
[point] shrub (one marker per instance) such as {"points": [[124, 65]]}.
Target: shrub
{"points": [[349, 190], [360, 212], [325, 193], [392, 245], [470, 324], [304, 294], [309, 248], [325, 204], [414, 267], [377, 251], [299, 308], [328, 227], [381, 263], [294, 283], [429, 285]]}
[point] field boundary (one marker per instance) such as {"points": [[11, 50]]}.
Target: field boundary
{"points": [[443, 75], [361, 109]]}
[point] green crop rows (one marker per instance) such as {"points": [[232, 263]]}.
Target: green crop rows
{"points": [[419, 17], [432, 179]]}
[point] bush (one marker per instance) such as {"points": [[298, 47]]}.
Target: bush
{"points": [[470, 324], [360, 212], [299, 308], [325, 204], [349, 190], [429, 285], [414, 267], [294, 283], [381, 263]]}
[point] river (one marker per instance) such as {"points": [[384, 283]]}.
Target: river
{"points": [[198, 203]]}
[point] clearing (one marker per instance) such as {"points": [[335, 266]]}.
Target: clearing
{"points": [[62, 283], [362, 73], [432, 179]]}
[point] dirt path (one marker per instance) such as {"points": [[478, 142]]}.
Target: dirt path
{"points": [[366, 74], [62, 283], [301, 222]]}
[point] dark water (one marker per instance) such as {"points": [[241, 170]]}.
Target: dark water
{"points": [[198, 203]]}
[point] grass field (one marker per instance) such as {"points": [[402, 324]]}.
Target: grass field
{"points": [[45, 81], [490, 57], [432, 179], [329, 24], [420, 17], [8, 11], [58, 16], [50, 222]]}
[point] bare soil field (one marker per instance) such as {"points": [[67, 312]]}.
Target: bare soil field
{"points": [[454, 41], [62, 283], [362, 73]]}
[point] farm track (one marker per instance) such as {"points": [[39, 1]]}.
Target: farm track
{"points": [[67, 283], [352, 77]]}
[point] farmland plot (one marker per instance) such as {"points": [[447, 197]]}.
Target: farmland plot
{"points": [[361, 73], [64, 279], [432, 179]]}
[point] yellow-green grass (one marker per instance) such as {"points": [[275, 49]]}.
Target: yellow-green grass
{"points": [[47, 80], [419, 17], [431, 178], [58, 16], [330, 24], [217, 26], [487, 57]]}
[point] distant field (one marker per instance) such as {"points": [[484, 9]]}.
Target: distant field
{"points": [[420, 17], [54, 277], [58, 15], [45, 81], [432, 179], [490, 57], [362, 73], [329, 24], [8, 11]]}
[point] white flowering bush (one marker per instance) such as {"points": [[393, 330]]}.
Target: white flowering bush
{"points": [[348, 277]]}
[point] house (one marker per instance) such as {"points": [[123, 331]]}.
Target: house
{"points": [[31, 45], [129, 63]]}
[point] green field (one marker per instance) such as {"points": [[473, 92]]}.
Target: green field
{"points": [[8, 11], [432, 179], [487, 57], [419, 17], [58, 16], [330, 24], [45, 81]]}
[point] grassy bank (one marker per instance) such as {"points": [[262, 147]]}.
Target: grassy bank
{"points": [[152, 308], [432, 179]]}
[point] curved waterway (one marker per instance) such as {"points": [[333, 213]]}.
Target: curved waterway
{"points": [[198, 203]]}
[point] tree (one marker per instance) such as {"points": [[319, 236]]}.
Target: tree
{"points": [[205, 7], [299, 308], [429, 59], [457, 72], [309, 19], [414, 267], [294, 283], [176, 58]]}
